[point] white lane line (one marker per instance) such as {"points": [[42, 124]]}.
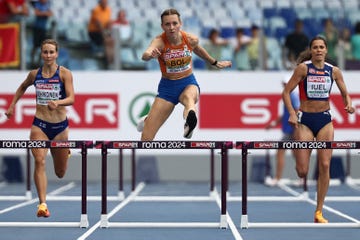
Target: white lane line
{"points": [[127, 200], [313, 202], [232, 226], [34, 200]]}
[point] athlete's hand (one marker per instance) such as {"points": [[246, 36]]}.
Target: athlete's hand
{"points": [[9, 113], [223, 64], [155, 53], [52, 105], [293, 120], [350, 109]]}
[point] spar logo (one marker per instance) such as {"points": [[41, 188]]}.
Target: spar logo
{"points": [[88, 111], [203, 144], [64, 144], [345, 145], [125, 144], [263, 145], [140, 106], [256, 111]]}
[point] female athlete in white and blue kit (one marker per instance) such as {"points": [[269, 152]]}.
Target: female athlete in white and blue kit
{"points": [[313, 121], [54, 90]]}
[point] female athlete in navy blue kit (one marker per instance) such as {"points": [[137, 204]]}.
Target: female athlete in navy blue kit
{"points": [[313, 121], [54, 90]]}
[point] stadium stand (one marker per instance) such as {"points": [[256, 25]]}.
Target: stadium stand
{"points": [[275, 17]]}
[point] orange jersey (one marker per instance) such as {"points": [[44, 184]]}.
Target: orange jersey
{"points": [[100, 14], [176, 61]]}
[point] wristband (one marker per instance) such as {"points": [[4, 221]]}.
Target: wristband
{"points": [[214, 64]]}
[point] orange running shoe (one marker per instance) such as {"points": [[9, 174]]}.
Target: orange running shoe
{"points": [[43, 211], [318, 218]]}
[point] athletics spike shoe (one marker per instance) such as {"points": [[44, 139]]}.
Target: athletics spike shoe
{"points": [[43, 211], [141, 123], [318, 218], [190, 124]]}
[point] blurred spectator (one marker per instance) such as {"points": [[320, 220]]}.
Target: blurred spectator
{"points": [[355, 42], [13, 10], [214, 46], [331, 35], [240, 50], [121, 26], [121, 18], [287, 135], [295, 42], [99, 26], [42, 12], [257, 48], [345, 43]]}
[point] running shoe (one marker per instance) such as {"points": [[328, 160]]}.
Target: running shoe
{"points": [[318, 218], [271, 182], [190, 124], [141, 123], [43, 211]]}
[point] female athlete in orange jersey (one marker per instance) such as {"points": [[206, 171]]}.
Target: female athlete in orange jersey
{"points": [[173, 49]]}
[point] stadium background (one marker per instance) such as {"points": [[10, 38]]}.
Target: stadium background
{"points": [[136, 78]]}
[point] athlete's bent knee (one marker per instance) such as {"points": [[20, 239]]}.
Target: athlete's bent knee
{"points": [[60, 173]]}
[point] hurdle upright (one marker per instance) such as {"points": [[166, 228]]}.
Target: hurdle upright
{"points": [[244, 146], [105, 145], [83, 145]]}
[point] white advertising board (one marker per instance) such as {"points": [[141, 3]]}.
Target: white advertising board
{"points": [[234, 106]]}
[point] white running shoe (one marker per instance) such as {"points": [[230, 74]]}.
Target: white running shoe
{"points": [[141, 123], [271, 182]]}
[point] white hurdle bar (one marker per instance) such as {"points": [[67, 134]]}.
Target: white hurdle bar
{"points": [[244, 146], [83, 145], [105, 145]]}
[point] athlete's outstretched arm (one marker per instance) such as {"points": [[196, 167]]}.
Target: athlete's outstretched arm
{"points": [[202, 53], [154, 49], [20, 92]]}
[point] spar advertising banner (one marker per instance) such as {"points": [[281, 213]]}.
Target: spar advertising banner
{"points": [[233, 106]]}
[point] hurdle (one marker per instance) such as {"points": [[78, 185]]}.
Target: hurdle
{"points": [[245, 146], [28, 144], [133, 145]]}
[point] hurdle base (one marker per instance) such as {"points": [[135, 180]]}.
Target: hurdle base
{"points": [[223, 221], [244, 223], [121, 195], [304, 195], [84, 223], [104, 223], [28, 195], [213, 193]]}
